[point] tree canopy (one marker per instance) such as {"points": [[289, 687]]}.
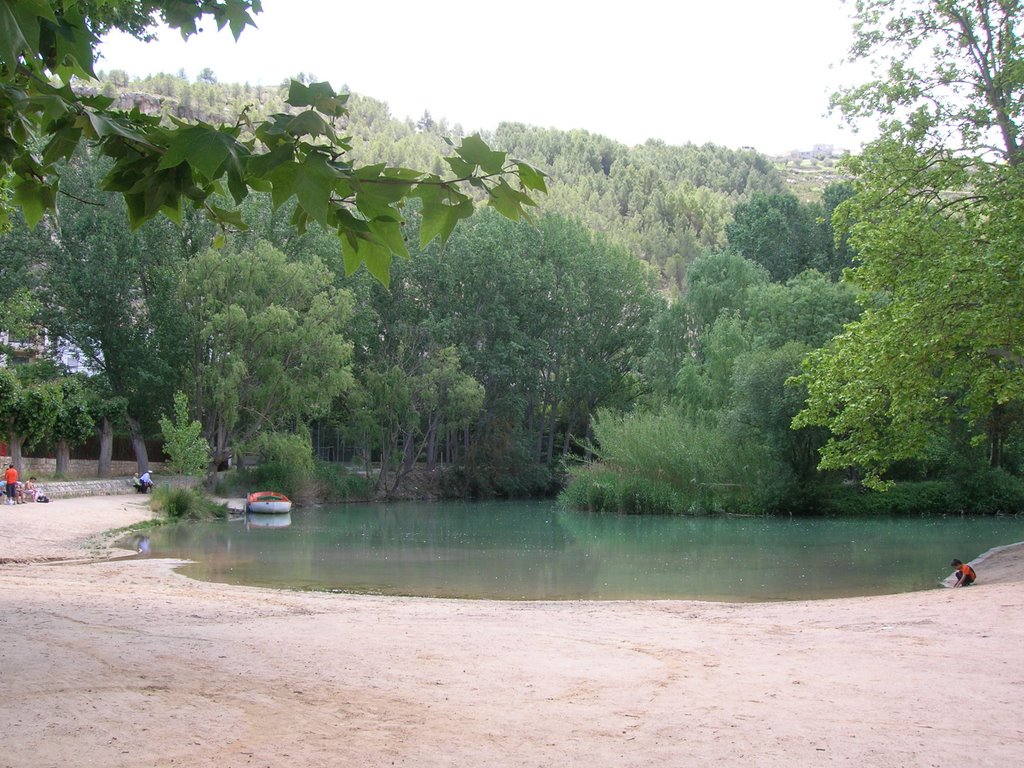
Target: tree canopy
{"points": [[936, 221], [947, 74], [161, 166], [267, 342]]}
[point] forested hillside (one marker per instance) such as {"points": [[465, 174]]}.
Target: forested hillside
{"points": [[664, 204]]}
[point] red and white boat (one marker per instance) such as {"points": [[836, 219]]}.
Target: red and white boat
{"points": [[267, 502]]}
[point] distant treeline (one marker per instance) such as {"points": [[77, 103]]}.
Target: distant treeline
{"points": [[664, 204]]}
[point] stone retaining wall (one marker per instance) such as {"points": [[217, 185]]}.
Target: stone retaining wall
{"points": [[64, 489], [80, 468]]}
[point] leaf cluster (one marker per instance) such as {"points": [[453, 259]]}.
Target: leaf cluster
{"points": [[947, 73], [160, 167], [44, 410]]}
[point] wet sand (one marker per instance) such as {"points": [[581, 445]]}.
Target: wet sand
{"points": [[126, 663]]}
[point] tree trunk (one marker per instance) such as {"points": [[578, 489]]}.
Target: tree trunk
{"points": [[549, 449], [531, 430], [138, 445], [409, 453], [541, 428], [567, 441], [997, 431], [408, 462], [385, 460], [63, 458], [367, 456], [216, 435], [15, 444], [995, 457], [451, 451], [103, 467], [432, 446]]}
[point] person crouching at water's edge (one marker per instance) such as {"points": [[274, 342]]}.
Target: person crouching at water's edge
{"points": [[965, 575]]}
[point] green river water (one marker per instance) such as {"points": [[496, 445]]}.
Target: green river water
{"points": [[538, 551]]}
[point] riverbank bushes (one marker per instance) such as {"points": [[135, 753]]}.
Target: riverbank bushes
{"points": [[664, 462], [992, 492], [995, 492], [336, 483], [603, 491], [178, 504], [285, 463]]}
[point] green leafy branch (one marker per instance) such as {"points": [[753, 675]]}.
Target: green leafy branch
{"points": [[160, 167]]}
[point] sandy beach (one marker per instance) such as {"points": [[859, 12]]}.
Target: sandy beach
{"points": [[126, 663]]}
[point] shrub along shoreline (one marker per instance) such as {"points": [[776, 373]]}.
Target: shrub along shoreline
{"points": [[598, 489]]}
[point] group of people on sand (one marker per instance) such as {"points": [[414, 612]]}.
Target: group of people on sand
{"points": [[16, 491]]}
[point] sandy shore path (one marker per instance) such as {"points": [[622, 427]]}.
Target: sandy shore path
{"points": [[125, 663]]}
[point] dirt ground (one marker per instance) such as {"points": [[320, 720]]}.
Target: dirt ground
{"points": [[125, 663]]}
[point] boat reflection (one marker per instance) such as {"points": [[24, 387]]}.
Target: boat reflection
{"points": [[268, 519]]}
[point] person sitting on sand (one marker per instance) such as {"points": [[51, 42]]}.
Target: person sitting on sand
{"points": [[30, 491], [965, 575]]}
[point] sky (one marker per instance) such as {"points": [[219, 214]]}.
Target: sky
{"points": [[732, 72]]}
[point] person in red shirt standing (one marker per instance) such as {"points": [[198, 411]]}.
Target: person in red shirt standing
{"points": [[11, 476], [965, 575]]}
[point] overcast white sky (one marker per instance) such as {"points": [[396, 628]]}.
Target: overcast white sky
{"points": [[732, 72]]}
